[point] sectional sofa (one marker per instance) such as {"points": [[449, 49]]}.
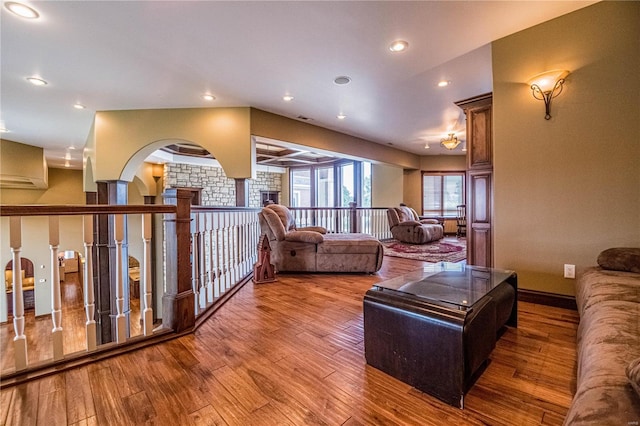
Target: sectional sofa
{"points": [[608, 344]]}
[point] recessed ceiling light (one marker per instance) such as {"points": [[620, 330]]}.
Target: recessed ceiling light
{"points": [[287, 98], [341, 116], [36, 81], [444, 83], [398, 46], [208, 97], [21, 10], [343, 79], [4, 130], [79, 106]]}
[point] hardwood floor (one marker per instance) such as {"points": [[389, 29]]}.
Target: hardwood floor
{"points": [[38, 329], [291, 353]]}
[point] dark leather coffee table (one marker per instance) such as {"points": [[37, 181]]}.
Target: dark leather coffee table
{"points": [[434, 328]]}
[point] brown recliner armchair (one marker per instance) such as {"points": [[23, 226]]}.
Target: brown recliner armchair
{"points": [[312, 249], [407, 227]]}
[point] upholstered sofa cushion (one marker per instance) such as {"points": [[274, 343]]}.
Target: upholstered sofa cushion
{"points": [[597, 285], [304, 236], [620, 259], [312, 249], [275, 224], [406, 226], [608, 341], [633, 373], [319, 229], [598, 404]]}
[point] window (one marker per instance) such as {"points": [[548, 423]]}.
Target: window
{"points": [[346, 184], [301, 188], [442, 193], [334, 185], [366, 184], [324, 187]]}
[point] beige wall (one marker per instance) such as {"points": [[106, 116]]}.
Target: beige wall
{"points": [[443, 163], [567, 188], [65, 187], [412, 189], [224, 132], [412, 179], [285, 129], [22, 164], [386, 185]]}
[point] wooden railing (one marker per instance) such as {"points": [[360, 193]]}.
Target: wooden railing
{"points": [[367, 220], [224, 247], [202, 256], [51, 229]]}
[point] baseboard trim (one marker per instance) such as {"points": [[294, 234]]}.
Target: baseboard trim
{"points": [[549, 299]]}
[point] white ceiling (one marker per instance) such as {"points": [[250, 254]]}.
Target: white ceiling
{"points": [[115, 55]]}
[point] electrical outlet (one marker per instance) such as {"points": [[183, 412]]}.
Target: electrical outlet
{"points": [[569, 271]]}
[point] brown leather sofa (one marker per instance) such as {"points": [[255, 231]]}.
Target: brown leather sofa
{"points": [[407, 227], [312, 249]]}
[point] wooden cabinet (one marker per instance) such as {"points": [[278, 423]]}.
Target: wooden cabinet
{"points": [[478, 111]]}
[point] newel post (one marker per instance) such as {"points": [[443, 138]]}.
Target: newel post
{"points": [[178, 308], [353, 212]]}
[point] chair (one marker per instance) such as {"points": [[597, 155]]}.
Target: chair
{"points": [[312, 249], [461, 221], [407, 227]]}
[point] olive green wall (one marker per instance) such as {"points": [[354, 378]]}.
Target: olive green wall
{"points": [[567, 188]]}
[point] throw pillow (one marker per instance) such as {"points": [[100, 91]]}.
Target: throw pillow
{"points": [[633, 373], [620, 259]]}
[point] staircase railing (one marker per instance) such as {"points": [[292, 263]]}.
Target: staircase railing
{"points": [[192, 259]]}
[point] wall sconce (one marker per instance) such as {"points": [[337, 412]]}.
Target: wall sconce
{"points": [[546, 86], [450, 142], [157, 170]]}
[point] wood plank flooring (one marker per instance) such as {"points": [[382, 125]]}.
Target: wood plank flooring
{"points": [[38, 329], [291, 353]]}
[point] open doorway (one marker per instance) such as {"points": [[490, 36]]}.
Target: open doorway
{"points": [[28, 285]]}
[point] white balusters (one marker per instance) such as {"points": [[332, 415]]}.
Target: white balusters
{"points": [[202, 265], [226, 249], [194, 263], [211, 264], [20, 340], [121, 321], [89, 300], [234, 247], [56, 302], [146, 312], [217, 287]]}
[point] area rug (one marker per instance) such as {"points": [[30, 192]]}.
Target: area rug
{"points": [[446, 250]]}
